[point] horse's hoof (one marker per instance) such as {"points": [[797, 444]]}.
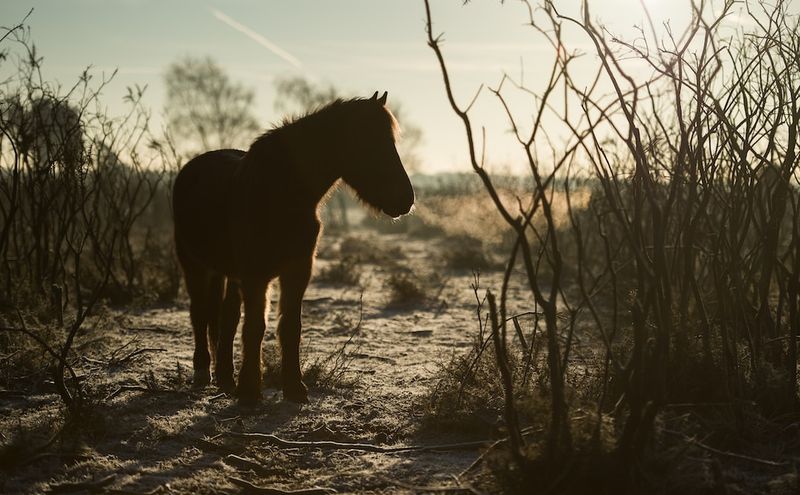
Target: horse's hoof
{"points": [[200, 380], [228, 388], [247, 397], [249, 401], [226, 385], [297, 394]]}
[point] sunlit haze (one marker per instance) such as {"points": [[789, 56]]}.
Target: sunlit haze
{"points": [[359, 46]]}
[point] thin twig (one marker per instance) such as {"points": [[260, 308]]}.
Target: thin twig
{"points": [[245, 463], [525, 432], [20, 25], [430, 489], [140, 388], [123, 491], [155, 328], [91, 486], [725, 453], [251, 488], [135, 353], [743, 457], [363, 447]]}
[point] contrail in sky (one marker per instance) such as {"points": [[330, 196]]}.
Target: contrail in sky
{"points": [[258, 38]]}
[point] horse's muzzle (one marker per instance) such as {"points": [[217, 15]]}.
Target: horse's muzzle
{"points": [[401, 205], [396, 212]]}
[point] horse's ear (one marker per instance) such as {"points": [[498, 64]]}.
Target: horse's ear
{"points": [[382, 101], [374, 96]]}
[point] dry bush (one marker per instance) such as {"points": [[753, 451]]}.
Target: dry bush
{"points": [[345, 271], [405, 289], [333, 370], [466, 253], [363, 249], [663, 231], [467, 395], [83, 197], [23, 365], [77, 183]]}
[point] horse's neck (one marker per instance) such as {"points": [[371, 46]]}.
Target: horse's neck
{"points": [[315, 161]]}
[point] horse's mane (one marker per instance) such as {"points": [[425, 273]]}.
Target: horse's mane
{"points": [[339, 109]]}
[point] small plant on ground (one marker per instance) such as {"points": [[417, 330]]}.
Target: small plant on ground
{"points": [[463, 252], [344, 271], [467, 394], [366, 250], [328, 371], [406, 288]]}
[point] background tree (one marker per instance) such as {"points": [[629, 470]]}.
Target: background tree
{"points": [[299, 94], [205, 109]]}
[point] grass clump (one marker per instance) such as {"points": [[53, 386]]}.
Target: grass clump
{"points": [[328, 371], [462, 252], [345, 271], [405, 289]]}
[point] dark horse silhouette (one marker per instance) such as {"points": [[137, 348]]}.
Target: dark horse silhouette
{"points": [[245, 218]]}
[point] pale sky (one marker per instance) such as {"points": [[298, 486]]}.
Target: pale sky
{"points": [[360, 46]]}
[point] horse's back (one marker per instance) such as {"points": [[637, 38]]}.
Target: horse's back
{"points": [[201, 204]]}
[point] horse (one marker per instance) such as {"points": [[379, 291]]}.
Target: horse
{"points": [[243, 219]]}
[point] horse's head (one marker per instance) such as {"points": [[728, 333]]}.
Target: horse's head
{"points": [[373, 168]]}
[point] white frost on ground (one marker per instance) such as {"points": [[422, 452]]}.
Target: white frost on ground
{"points": [[175, 438]]}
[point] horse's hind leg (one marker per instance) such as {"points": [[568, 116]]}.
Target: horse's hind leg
{"points": [[229, 320], [214, 293], [255, 305], [197, 285], [294, 280]]}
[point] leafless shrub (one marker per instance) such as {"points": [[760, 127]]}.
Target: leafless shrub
{"points": [[665, 228], [78, 221], [74, 179], [468, 394]]}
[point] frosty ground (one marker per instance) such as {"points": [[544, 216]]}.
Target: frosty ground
{"points": [[370, 357]]}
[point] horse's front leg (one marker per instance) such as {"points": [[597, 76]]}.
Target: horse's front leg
{"points": [[294, 279], [255, 306]]}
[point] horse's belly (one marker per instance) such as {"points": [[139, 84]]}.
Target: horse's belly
{"points": [[238, 225], [201, 207], [208, 248], [266, 243]]}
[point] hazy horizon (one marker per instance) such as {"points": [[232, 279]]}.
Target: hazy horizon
{"points": [[358, 46]]}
